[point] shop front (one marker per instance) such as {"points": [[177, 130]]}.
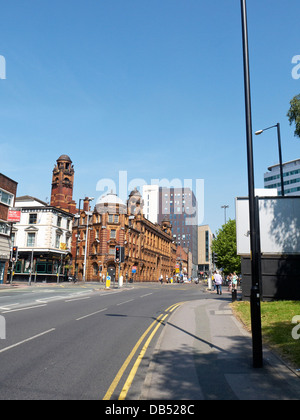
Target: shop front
{"points": [[49, 268]]}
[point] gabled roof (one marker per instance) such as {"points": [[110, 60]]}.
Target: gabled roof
{"points": [[30, 198]]}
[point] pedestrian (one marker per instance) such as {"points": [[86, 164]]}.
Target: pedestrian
{"points": [[218, 282], [234, 281], [161, 279], [213, 281], [229, 279]]}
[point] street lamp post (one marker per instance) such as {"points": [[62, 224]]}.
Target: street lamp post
{"points": [[257, 133], [225, 207], [253, 207], [77, 240], [88, 213]]}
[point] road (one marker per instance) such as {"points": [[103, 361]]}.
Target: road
{"points": [[80, 343]]}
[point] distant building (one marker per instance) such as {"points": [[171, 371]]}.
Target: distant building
{"points": [[151, 202], [8, 189], [291, 178], [180, 205], [205, 238]]}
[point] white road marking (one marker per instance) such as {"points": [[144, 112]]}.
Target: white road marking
{"points": [[123, 303], [26, 341], [75, 298], [23, 309], [94, 313]]}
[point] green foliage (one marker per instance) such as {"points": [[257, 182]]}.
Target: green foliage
{"points": [[276, 318], [294, 114], [224, 245]]}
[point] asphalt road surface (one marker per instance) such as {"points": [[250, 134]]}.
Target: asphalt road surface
{"points": [[78, 343]]}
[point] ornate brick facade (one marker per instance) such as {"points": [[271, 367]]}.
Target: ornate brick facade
{"points": [[148, 247], [62, 185]]}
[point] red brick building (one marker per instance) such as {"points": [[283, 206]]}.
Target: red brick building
{"points": [[149, 248], [63, 184], [8, 190]]}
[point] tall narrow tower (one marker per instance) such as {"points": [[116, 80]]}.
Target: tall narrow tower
{"points": [[62, 185]]}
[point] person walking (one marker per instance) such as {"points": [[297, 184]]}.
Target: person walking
{"points": [[218, 282], [229, 280], [234, 281]]}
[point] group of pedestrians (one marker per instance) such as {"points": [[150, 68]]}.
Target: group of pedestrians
{"points": [[232, 281]]}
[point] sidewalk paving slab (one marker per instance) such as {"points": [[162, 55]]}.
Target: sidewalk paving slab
{"points": [[204, 353]]}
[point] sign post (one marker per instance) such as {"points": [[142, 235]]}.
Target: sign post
{"points": [[108, 279]]}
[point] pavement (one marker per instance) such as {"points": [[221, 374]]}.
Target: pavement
{"points": [[204, 353]]}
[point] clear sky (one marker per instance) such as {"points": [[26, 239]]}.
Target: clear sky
{"points": [[151, 87]]}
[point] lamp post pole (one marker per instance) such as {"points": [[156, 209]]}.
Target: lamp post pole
{"points": [[225, 207], [77, 240], [279, 152], [88, 213], [253, 207]]}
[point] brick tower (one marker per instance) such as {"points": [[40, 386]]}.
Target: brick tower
{"points": [[62, 185]]}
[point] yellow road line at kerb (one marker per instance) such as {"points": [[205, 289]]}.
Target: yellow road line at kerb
{"points": [[173, 307], [127, 361], [170, 307], [176, 306], [159, 320], [132, 374]]}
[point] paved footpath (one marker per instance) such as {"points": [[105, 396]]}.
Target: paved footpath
{"points": [[204, 353]]}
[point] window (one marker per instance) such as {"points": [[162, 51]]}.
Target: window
{"points": [[68, 242], [57, 240], [59, 221], [6, 198], [31, 240], [32, 219], [4, 228], [112, 234], [113, 218]]}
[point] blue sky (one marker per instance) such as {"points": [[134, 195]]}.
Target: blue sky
{"points": [[151, 87]]}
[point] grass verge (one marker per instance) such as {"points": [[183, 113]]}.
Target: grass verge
{"points": [[277, 327]]}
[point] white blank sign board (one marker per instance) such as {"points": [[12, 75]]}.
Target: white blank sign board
{"points": [[279, 225]]}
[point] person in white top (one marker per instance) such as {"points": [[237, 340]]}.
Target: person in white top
{"points": [[219, 282]]}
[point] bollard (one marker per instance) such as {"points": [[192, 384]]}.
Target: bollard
{"points": [[234, 295]]}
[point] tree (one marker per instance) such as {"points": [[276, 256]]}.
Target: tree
{"points": [[224, 245], [294, 114]]}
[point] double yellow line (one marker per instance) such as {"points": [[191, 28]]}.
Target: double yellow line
{"points": [[155, 326]]}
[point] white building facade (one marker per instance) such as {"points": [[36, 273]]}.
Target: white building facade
{"points": [[151, 202], [43, 237]]}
